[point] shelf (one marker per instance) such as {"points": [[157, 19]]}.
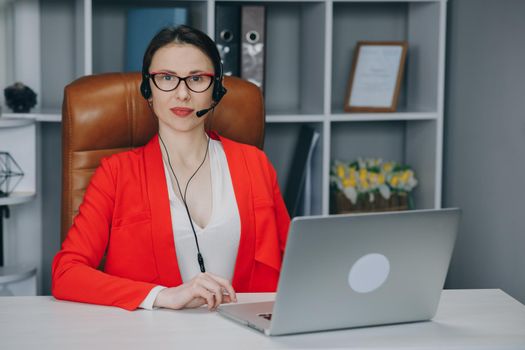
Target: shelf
{"points": [[377, 117], [50, 115], [290, 118], [10, 274], [417, 22], [307, 68], [7, 121], [17, 198]]}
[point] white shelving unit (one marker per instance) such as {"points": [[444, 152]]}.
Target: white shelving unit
{"points": [[50, 115], [17, 198], [18, 274], [309, 51]]}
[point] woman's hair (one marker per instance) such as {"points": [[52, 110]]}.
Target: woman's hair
{"points": [[182, 35]]}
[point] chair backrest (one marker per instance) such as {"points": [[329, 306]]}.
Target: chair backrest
{"points": [[105, 114]]}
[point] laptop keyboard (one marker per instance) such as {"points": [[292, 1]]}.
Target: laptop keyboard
{"points": [[266, 316]]}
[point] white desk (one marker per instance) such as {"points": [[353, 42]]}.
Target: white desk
{"points": [[466, 319]]}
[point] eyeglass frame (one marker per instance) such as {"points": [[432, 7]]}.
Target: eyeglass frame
{"points": [[152, 77]]}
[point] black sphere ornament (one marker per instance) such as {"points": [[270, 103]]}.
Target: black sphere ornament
{"points": [[19, 98]]}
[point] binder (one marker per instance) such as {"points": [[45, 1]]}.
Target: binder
{"points": [[298, 183], [228, 36], [142, 25], [253, 38]]}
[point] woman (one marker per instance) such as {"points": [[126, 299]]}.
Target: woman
{"points": [[186, 220]]}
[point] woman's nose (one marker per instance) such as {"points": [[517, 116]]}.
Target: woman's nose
{"points": [[182, 91]]}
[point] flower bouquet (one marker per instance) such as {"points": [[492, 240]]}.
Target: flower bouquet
{"points": [[371, 185]]}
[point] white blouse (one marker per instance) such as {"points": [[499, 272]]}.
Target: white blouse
{"points": [[219, 240]]}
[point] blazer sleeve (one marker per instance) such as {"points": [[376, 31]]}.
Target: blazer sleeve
{"points": [[74, 271]]}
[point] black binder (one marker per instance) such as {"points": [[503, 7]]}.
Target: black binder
{"points": [[294, 189], [253, 44], [228, 36]]}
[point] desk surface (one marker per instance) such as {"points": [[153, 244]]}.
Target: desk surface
{"points": [[466, 319]]}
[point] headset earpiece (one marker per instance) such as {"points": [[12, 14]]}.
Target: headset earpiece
{"points": [[145, 88], [218, 89]]}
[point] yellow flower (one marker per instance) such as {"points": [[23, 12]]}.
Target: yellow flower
{"points": [[349, 182], [406, 176], [373, 178], [363, 174], [363, 177], [340, 171], [387, 167], [394, 181]]}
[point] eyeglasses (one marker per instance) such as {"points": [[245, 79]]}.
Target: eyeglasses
{"points": [[169, 82]]}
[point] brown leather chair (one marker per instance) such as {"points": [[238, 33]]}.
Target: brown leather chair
{"points": [[105, 114]]}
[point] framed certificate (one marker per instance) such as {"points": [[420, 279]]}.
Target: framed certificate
{"points": [[375, 78]]}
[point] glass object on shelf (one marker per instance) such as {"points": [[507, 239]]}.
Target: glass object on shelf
{"points": [[10, 174]]}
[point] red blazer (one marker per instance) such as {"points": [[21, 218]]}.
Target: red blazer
{"points": [[126, 214]]}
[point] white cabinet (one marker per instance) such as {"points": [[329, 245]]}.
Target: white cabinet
{"points": [[20, 254], [309, 51]]}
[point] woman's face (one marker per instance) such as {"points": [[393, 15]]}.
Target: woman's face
{"points": [[176, 109]]}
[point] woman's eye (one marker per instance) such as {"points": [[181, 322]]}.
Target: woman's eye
{"points": [[196, 78], [167, 77]]}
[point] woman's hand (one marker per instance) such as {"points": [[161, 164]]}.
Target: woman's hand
{"points": [[204, 288]]}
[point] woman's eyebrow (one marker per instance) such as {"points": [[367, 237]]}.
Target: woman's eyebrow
{"points": [[197, 71], [166, 71]]}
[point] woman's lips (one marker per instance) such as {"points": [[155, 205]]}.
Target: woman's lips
{"points": [[181, 111]]}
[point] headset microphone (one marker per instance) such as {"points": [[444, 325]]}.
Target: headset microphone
{"points": [[206, 110]]}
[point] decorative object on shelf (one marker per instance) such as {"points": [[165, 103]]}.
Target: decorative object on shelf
{"points": [[371, 185], [10, 174], [19, 98], [375, 78]]}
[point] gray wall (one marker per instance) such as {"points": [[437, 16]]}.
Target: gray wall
{"points": [[485, 143]]}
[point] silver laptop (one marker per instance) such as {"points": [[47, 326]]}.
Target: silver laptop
{"points": [[357, 270]]}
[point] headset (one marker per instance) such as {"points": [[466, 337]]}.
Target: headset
{"points": [[217, 94]]}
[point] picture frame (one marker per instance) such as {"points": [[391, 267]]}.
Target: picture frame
{"points": [[375, 77]]}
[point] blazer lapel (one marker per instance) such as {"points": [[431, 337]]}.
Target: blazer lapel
{"points": [[161, 225], [243, 193]]}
